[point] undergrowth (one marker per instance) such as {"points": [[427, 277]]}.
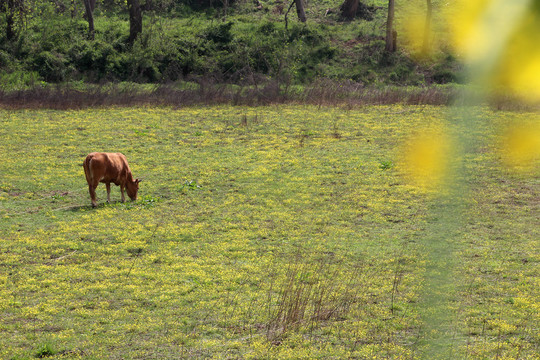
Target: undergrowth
{"points": [[242, 46]]}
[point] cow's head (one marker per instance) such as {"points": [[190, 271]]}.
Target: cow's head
{"points": [[132, 187]]}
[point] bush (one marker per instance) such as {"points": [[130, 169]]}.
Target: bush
{"points": [[45, 350], [93, 59], [304, 33], [18, 80], [51, 66], [141, 64], [6, 60], [444, 76], [219, 34], [266, 29], [400, 74]]}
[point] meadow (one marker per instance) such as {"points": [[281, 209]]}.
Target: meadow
{"points": [[272, 232]]}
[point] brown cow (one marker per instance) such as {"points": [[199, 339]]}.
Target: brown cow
{"points": [[109, 168]]}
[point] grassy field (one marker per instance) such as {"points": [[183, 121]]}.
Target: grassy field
{"points": [[279, 232]]}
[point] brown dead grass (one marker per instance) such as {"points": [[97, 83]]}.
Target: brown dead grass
{"points": [[207, 93]]}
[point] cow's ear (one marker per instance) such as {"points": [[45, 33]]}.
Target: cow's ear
{"points": [[138, 180]]}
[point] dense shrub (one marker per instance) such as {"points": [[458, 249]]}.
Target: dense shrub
{"points": [[219, 34], [444, 76], [51, 66], [6, 59]]}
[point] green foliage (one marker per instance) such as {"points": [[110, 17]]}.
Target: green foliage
{"points": [[143, 202], [45, 350], [444, 76], [189, 185], [19, 80], [447, 70], [219, 34], [179, 42], [6, 59], [51, 66], [386, 164]]}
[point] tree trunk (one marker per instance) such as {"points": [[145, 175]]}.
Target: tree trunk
{"points": [[15, 16], [426, 47], [390, 36], [10, 22], [349, 9], [135, 19], [73, 9], [90, 17], [300, 10]]}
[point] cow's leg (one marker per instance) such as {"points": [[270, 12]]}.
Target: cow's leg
{"points": [[108, 185], [92, 190], [122, 191]]}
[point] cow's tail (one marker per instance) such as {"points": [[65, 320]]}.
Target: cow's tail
{"points": [[87, 164]]}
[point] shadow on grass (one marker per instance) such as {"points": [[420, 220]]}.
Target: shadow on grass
{"points": [[77, 208], [81, 208], [144, 202]]}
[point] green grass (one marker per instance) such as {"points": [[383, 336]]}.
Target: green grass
{"points": [[266, 232]]}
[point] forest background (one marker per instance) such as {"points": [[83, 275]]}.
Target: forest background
{"points": [[189, 43]]}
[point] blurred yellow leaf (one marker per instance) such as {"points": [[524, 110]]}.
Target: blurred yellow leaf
{"points": [[425, 158], [499, 39], [519, 67], [414, 24], [521, 146], [482, 28]]}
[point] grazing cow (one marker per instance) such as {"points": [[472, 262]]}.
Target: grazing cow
{"points": [[109, 168]]}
